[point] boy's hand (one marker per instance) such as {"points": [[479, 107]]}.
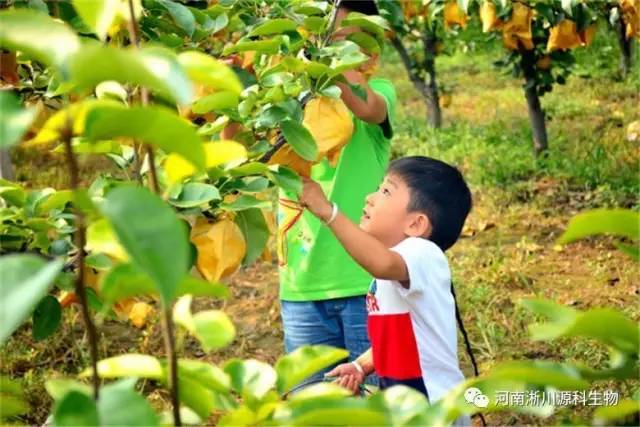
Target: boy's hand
{"points": [[313, 198], [348, 376]]}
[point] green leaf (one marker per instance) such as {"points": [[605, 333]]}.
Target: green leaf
{"points": [[195, 194], [373, 24], [111, 90], [560, 376], [255, 231], [315, 24], [210, 72], [606, 325], [25, 280], [120, 405], [365, 41], [155, 68], [300, 139], [304, 362], [97, 14], [250, 378], [157, 126], [312, 7], [245, 202], [181, 15], [152, 235], [125, 280], [632, 251], [250, 168], [59, 387], [331, 410], [218, 101], [195, 396], [46, 317], [56, 200], [12, 193], [269, 46], [14, 120], [212, 328], [617, 222], [76, 409], [12, 401], [129, 365], [10, 406], [286, 179], [608, 415], [38, 36], [273, 26], [210, 376]]}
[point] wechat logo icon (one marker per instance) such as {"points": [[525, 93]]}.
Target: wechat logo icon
{"points": [[475, 397]]}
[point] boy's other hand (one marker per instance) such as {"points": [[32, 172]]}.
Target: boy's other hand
{"points": [[348, 376], [313, 198]]}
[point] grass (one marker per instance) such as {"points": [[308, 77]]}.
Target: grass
{"points": [[507, 251]]}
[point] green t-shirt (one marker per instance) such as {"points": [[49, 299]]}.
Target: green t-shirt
{"points": [[313, 264]]}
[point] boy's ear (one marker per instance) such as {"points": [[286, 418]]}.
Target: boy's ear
{"points": [[419, 226]]}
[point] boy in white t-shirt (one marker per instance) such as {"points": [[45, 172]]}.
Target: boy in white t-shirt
{"points": [[415, 215]]}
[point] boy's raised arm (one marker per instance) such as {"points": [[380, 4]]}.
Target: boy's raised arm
{"points": [[365, 249], [372, 110]]}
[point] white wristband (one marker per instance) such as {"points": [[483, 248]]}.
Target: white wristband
{"points": [[334, 214], [358, 367]]}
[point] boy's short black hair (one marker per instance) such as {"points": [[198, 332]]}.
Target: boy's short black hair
{"points": [[439, 191], [368, 7]]}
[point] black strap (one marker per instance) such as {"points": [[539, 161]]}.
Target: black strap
{"points": [[467, 343]]}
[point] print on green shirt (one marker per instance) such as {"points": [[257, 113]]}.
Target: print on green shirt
{"points": [[317, 266]]}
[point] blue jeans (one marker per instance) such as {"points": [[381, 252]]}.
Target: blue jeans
{"points": [[340, 322]]}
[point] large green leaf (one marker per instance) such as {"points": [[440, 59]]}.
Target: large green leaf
{"points": [[125, 280], [606, 325], [14, 120], [304, 362], [560, 376], [608, 415], [255, 231], [46, 317], [250, 378], [24, 280], [76, 409], [212, 328], [268, 46], [617, 222], [373, 24], [97, 14], [215, 102], [273, 26], [120, 405], [208, 71], [155, 68], [37, 35], [300, 139], [330, 411], [129, 365], [153, 236], [181, 15], [153, 125], [59, 387], [12, 402], [286, 179], [195, 194], [246, 202], [205, 373]]}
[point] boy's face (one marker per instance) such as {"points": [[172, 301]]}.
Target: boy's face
{"points": [[386, 217]]}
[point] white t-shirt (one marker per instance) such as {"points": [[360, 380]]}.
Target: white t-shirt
{"points": [[413, 331]]}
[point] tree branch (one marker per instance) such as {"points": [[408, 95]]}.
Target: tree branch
{"points": [[80, 241]]}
